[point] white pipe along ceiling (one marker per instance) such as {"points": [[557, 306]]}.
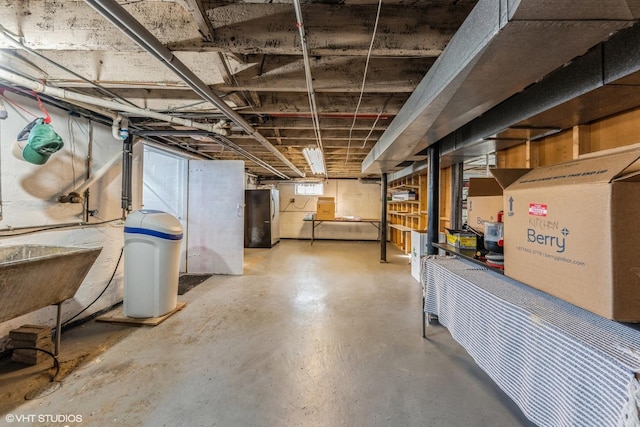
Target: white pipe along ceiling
{"points": [[267, 90]]}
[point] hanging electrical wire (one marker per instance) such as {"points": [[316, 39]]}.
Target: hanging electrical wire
{"points": [[373, 127], [115, 269], [364, 79]]}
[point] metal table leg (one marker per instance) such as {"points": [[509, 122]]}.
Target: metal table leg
{"points": [[424, 319]]}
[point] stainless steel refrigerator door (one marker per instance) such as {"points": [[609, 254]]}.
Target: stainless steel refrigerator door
{"points": [[257, 232], [275, 217]]}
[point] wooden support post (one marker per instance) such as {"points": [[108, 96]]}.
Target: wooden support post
{"points": [[581, 140], [532, 155]]}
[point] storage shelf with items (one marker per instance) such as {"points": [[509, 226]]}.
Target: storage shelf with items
{"points": [[406, 209]]}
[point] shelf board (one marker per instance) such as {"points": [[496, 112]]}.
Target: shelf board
{"points": [[406, 214], [403, 187], [400, 227], [413, 202]]}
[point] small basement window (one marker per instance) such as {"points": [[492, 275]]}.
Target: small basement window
{"points": [[309, 189]]}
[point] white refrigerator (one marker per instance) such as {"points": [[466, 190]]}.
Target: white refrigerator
{"points": [[419, 242]]}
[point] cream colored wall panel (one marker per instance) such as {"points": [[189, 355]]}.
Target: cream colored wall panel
{"points": [[353, 198]]}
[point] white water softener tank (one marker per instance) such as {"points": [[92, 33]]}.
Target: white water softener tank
{"points": [[152, 241]]}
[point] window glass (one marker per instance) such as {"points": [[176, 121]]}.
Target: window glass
{"points": [[309, 189]]}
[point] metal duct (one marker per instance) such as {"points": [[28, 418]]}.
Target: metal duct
{"points": [[602, 83], [501, 48], [119, 17]]}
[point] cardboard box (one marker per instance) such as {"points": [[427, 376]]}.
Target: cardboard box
{"points": [[326, 209], [461, 239], [571, 230], [484, 201]]}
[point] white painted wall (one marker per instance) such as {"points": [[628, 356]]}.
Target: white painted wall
{"points": [[29, 198], [353, 198]]}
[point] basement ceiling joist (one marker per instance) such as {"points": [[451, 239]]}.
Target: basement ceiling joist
{"points": [[249, 54]]}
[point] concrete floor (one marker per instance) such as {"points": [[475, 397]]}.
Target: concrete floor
{"points": [[321, 335]]}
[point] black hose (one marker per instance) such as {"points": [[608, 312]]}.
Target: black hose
{"points": [[101, 293], [56, 364]]}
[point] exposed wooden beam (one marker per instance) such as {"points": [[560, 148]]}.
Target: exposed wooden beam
{"points": [[581, 140]]}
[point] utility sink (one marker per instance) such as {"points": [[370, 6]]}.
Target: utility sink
{"points": [[34, 276]]}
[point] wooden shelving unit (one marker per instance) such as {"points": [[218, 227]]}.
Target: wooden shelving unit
{"points": [[406, 215]]}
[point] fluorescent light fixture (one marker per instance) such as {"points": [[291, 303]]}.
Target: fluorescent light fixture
{"points": [[315, 160]]}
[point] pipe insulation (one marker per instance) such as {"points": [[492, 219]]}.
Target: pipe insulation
{"points": [[119, 128], [88, 102], [119, 17], [75, 96], [16, 42]]}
